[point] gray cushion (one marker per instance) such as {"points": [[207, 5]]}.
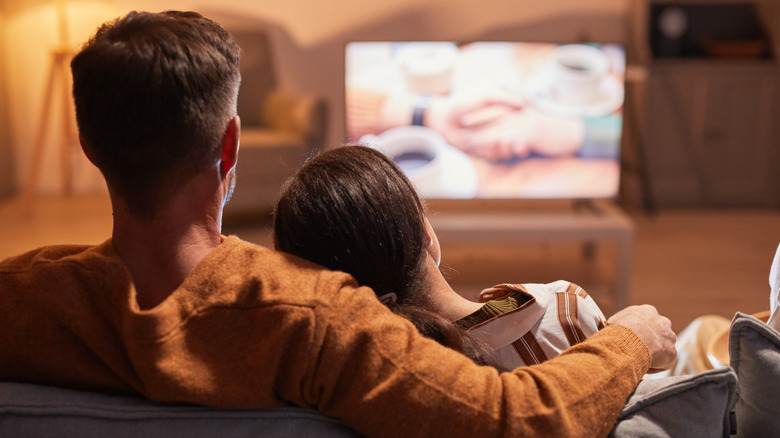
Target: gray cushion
{"points": [[41, 411], [754, 353], [682, 406], [696, 405]]}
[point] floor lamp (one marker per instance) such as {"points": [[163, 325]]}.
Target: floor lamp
{"points": [[59, 72]]}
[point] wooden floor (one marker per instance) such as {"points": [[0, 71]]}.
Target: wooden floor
{"points": [[686, 263]]}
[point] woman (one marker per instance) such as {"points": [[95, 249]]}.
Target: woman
{"points": [[352, 209]]}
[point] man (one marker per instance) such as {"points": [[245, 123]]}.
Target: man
{"points": [[170, 308]]}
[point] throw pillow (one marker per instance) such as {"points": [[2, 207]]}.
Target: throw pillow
{"points": [[694, 405], [754, 351]]}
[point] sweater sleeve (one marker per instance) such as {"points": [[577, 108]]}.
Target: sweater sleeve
{"points": [[375, 372], [591, 317]]}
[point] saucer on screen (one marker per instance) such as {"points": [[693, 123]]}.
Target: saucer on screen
{"points": [[542, 95]]}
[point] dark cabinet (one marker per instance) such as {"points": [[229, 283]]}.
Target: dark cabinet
{"points": [[712, 133]]}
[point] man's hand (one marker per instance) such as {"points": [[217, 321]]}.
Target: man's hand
{"points": [[655, 330]]}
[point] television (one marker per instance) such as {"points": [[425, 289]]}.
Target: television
{"points": [[491, 120]]}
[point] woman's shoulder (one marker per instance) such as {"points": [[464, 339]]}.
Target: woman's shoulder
{"points": [[282, 276]]}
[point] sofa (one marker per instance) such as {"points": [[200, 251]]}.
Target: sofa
{"points": [[279, 127], [682, 406], [31, 411]]}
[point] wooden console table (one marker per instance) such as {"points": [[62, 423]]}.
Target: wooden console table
{"points": [[589, 222]]}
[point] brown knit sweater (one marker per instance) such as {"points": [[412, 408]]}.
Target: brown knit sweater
{"points": [[254, 328]]}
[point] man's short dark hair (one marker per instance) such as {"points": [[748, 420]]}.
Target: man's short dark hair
{"points": [[154, 93]]}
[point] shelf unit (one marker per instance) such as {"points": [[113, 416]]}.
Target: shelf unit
{"points": [[709, 131]]}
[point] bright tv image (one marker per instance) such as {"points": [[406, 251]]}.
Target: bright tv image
{"points": [[492, 119]]}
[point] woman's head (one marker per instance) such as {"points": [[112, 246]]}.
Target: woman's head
{"points": [[352, 209]]}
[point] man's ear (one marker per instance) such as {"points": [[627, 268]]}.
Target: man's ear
{"points": [[230, 142], [85, 149]]}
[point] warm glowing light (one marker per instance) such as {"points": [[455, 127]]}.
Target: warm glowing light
{"points": [[31, 32]]}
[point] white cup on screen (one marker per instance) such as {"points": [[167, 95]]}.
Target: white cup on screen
{"points": [[415, 149], [577, 72], [428, 66]]}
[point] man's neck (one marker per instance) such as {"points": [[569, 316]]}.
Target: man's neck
{"points": [[160, 259], [160, 253]]}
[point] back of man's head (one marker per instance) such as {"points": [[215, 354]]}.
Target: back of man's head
{"points": [[154, 93]]}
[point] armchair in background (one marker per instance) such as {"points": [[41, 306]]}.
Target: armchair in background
{"points": [[279, 128]]}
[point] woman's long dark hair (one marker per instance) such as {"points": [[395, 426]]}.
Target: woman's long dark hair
{"points": [[352, 209]]}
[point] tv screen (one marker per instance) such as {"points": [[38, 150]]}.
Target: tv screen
{"points": [[488, 120]]}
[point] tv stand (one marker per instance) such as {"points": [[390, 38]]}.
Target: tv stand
{"points": [[587, 221]]}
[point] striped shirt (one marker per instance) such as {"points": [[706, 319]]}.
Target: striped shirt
{"points": [[526, 324]]}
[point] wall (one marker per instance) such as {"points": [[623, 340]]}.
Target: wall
{"points": [[31, 35], [308, 39], [7, 176], [310, 49]]}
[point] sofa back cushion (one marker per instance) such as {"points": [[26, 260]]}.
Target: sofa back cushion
{"points": [[40, 411], [695, 405], [754, 353], [681, 406]]}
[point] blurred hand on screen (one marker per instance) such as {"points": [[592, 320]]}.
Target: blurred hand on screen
{"points": [[454, 116], [521, 132], [500, 129]]}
